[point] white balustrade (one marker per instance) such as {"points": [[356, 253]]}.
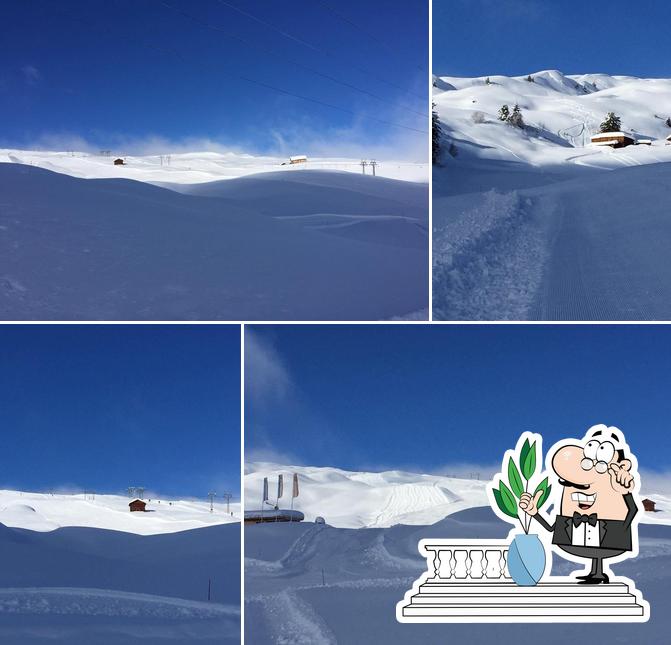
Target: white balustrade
{"points": [[465, 560]]}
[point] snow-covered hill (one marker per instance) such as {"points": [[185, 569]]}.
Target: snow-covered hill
{"points": [[361, 499], [537, 222], [349, 499], [561, 113], [47, 512], [300, 245], [196, 167], [96, 586]]}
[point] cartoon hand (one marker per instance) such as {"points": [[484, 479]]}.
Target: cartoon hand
{"points": [[621, 479], [529, 504]]}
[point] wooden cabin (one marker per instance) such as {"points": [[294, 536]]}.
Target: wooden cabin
{"points": [[119, 162], [668, 140], [298, 159], [137, 505], [648, 505], [613, 139]]}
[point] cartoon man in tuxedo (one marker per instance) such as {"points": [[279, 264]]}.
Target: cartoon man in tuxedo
{"points": [[597, 502]]}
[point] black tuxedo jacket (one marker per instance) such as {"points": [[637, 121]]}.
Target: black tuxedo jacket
{"points": [[614, 534]]}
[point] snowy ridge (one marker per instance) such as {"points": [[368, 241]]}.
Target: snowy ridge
{"points": [[47, 512], [197, 167]]}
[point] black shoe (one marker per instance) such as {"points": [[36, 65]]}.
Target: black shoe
{"points": [[589, 575], [595, 580]]}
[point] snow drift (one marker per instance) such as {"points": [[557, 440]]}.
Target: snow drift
{"points": [[113, 249], [96, 586]]}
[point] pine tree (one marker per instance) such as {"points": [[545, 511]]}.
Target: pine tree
{"points": [[530, 79], [611, 124], [436, 135], [516, 117], [668, 122], [504, 113], [487, 81]]}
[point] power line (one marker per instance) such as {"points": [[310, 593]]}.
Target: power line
{"points": [[177, 54], [335, 107], [207, 25], [322, 50], [370, 35]]}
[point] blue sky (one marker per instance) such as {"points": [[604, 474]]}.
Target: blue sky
{"points": [[103, 407], [515, 37], [448, 398], [146, 76]]}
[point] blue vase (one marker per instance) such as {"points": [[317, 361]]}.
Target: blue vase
{"points": [[526, 560]]}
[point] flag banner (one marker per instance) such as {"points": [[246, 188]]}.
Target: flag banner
{"points": [[265, 489], [280, 486], [295, 491]]}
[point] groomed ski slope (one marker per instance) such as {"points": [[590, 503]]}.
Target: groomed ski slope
{"points": [[94, 586], [46, 512], [114, 249], [316, 584], [532, 224], [360, 499]]}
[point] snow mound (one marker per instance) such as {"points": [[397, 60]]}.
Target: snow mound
{"points": [[25, 516]]}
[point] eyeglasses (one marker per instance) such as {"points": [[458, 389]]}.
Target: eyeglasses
{"points": [[600, 466]]}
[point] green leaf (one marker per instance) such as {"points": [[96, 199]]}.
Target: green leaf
{"points": [[501, 504], [523, 454], [508, 499], [546, 492], [529, 463], [515, 479]]}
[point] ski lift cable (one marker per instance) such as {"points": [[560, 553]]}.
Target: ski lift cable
{"points": [[207, 25], [164, 49], [321, 50], [367, 33], [293, 94]]}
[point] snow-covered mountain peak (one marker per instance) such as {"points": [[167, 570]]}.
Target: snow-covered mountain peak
{"points": [[560, 113]]}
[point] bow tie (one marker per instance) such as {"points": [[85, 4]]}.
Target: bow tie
{"points": [[579, 519]]}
